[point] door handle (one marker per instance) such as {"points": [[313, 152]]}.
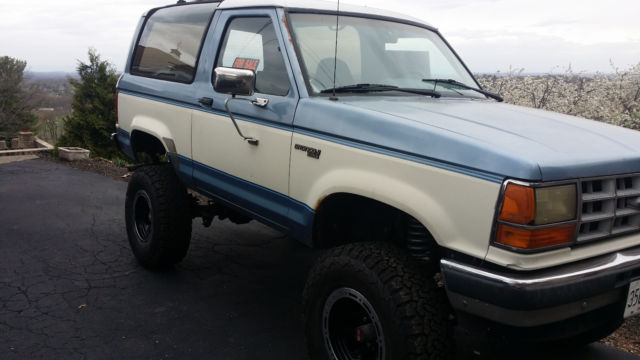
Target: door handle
{"points": [[260, 102], [206, 101]]}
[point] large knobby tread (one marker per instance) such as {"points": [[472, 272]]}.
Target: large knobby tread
{"points": [[172, 218], [419, 308]]}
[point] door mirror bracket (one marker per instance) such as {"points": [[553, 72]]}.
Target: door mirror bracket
{"points": [[248, 139], [237, 82]]}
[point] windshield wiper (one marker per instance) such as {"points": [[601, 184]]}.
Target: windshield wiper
{"points": [[465, 86], [364, 88]]}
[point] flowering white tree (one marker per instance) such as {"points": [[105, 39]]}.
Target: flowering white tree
{"points": [[612, 98]]}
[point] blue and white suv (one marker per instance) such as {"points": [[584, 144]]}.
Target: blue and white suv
{"points": [[362, 132]]}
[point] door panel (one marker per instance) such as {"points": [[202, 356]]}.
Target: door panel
{"points": [[220, 147], [225, 163]]}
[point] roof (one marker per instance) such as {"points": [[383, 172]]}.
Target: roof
{"points": [[317, 5]]}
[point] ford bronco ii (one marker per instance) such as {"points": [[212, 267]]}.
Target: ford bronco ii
{"points": [[362, 132]]}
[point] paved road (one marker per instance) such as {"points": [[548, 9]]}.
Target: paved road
{"points": [[70, 288]]}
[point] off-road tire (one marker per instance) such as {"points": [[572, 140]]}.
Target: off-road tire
{"points": [[412, 310], [157, 216]]}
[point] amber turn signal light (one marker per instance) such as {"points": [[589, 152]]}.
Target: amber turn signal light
{"points": [[534, 238], [518, 204]]}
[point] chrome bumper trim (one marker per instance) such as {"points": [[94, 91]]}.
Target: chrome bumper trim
{"points": [[543, 296], [612, 263]]}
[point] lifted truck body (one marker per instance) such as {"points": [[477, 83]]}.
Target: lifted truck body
{"points": [[444, 162]]}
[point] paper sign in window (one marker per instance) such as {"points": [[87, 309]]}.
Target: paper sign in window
{"points": [[246, 63]]}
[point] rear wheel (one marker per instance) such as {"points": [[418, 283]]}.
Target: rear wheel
{"points": [[157, 216], [370, 301]]}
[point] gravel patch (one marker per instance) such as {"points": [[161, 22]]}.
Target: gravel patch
{"points": [[96, 165], [626, 337]]}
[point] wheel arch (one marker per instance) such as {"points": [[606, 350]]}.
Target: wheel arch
{"points": [[145, 142], [384, 190], [344, 218], [151, 136]]}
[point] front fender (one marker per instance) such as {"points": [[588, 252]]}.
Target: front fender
{"points": [[386, 189], [456, 208]]}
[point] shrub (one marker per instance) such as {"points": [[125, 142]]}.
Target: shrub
{"points": [[93, 110]]}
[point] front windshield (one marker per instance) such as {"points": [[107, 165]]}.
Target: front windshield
{"points": [[375, 52]]}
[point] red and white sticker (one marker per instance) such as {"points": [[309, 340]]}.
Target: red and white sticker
{"points": [[246, 63]]}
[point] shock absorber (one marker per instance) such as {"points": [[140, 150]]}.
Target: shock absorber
{"points": [[419, 241]]}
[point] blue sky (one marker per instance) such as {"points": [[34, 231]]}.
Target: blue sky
{"points": [[490, 35]]}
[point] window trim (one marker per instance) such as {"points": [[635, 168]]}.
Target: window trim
{"points": [[221, 43], [203, 40]]}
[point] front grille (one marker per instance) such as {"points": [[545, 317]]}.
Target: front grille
{"points": [[610, 207]]}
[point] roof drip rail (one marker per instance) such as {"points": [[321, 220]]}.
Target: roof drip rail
{"points": [[198, 1]]}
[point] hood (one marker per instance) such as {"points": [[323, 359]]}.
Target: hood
{"points": [[495, 138]]}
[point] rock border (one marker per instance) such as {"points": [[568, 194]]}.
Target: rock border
{"points": [[42, 147]]}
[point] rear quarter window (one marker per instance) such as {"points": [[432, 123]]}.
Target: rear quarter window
{"points": [[170, 43]]}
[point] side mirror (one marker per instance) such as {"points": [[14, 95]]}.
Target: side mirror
{"points": [[234, 81]]}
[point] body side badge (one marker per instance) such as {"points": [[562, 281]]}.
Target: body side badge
{"points": [[311, 152]]}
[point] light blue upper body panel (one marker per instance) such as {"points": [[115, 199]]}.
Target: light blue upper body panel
{"points": [[499, 140], [481, 138]]}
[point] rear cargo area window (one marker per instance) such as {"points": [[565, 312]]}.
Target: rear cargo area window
{"points": [[170, 43]]}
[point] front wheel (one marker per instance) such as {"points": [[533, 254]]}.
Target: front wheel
{"points": [[370, 301], [157, 216]]}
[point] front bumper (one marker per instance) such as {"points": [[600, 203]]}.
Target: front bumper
{"points": [[541, 297]]}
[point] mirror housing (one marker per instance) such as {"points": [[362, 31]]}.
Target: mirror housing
{"points": [[234, 81]]}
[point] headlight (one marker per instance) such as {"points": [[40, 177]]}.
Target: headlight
{"points": [[555, 204], [532, 217]]}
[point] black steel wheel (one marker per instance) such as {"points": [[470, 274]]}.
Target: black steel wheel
{"points": [[351, 327], [157, 216], [371, 301], [143, 216]]}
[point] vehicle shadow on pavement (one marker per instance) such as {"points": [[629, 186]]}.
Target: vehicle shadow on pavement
{"points": [[70, 287]]}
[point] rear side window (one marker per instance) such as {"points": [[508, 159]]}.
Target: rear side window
{"points": [[170, 43]]}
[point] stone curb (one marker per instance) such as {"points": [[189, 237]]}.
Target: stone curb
{"points": [[43, 147]]}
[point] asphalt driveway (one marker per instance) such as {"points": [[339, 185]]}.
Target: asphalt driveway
{"points": [[71, 289]]}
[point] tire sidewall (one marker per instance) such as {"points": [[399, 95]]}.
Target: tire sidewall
{"points": [[149, 249]]}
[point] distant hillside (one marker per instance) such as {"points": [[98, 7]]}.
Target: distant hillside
{"points": [[51, 90], [39, 76]]}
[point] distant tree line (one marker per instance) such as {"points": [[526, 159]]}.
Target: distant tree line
{"points": [[92, 117]]}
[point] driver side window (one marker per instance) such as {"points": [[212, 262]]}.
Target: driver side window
{"points": [[251, 43]]}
